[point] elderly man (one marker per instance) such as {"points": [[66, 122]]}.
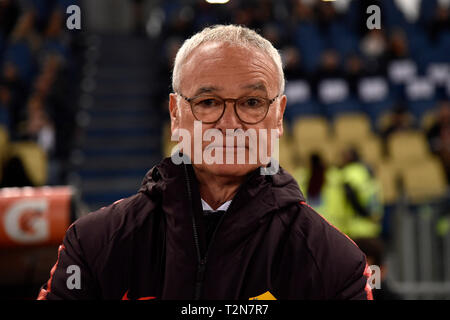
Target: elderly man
{"points": [[213, 229]]}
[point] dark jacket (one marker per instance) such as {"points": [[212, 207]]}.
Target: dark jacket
{"points": [[152, 245]]}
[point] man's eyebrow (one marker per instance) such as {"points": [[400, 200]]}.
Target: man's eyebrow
{"points": [[210, 89], [259, 86]]}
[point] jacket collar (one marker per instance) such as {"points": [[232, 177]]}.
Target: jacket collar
{"points": [[166, 175]]}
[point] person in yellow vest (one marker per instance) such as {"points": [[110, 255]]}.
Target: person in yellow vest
{"points": [[349, 195]]}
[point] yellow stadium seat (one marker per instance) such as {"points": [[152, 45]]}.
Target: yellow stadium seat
{"points": [[428, 120], [385, 120], [371, 151], [328, 150], [408, 146], [352, 128], [424, 181], [387, 175], [286, 156], [310, 129], [34, 160], [4, 141]]}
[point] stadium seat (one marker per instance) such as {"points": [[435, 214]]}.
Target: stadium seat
{"points": [[385, 120], [424, 181], [310, 43], [428, 120], [34, 160], [408, 147], [335, 109], [419, 107], [420, 93], [302, 109], [371, 151], [286, 156], [343, 39], [375, 109], [4, 141], [4, 116], [386, 173], [352, 128], [314, 129], [328, 150]]}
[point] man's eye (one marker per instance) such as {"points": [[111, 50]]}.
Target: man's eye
{"points": [[208, 103], [253, 102]]}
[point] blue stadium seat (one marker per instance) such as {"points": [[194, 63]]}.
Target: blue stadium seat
{"points": [[444, 42], [375, 109], [310, 44], [417, 40], [299, 109], [20, 55], [393, 16], [55, 46], [426, 11], [42, 8], [4, 116], [421, 96], [348, 105], [2, 48], [419, 107], [63, 4], [343, 39]]}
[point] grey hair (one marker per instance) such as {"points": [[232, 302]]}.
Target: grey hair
{"points": [[233, 34]]}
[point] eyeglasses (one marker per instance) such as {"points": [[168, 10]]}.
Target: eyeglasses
{"points": [[210, 109]]}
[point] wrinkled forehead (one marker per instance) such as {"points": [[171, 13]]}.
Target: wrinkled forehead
{"points": [[228, 68]]}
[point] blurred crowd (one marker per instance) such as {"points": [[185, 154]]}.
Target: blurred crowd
{"points": [[38, 66]]}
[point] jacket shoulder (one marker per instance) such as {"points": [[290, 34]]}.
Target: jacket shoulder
{"points": [[341, 264], [99, 228]]}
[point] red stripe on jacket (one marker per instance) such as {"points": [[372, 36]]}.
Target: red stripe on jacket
{"points": [[44, 292]]}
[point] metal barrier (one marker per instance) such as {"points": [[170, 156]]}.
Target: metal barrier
{"points": [[418, 256]]}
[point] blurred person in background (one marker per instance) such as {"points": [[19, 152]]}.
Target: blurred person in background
{"points": [[398, 48], [190, 223], [350, 197], [374, 50], [312, 179], [354, 70], [440, 22], [293, 66], [439, 136], [397, 120]]}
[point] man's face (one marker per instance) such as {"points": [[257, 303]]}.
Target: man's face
{"points": [[228, 72]]}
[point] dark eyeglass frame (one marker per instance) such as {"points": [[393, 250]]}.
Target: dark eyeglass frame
{"points": [[269, 102]]}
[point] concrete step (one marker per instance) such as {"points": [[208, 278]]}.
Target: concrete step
{"points": [[112, 185], [122, 142], [130, 121], [122, 162]]}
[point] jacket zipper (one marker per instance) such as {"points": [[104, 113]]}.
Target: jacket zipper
{"points": [[201, 261]]}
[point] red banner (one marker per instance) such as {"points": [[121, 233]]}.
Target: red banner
{"points": [[34, 216]]}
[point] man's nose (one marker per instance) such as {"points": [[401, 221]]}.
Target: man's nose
{"points": [[229, 119]]}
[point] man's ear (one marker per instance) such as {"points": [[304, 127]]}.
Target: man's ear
{"points": [[174, 112], [283, 102]]}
